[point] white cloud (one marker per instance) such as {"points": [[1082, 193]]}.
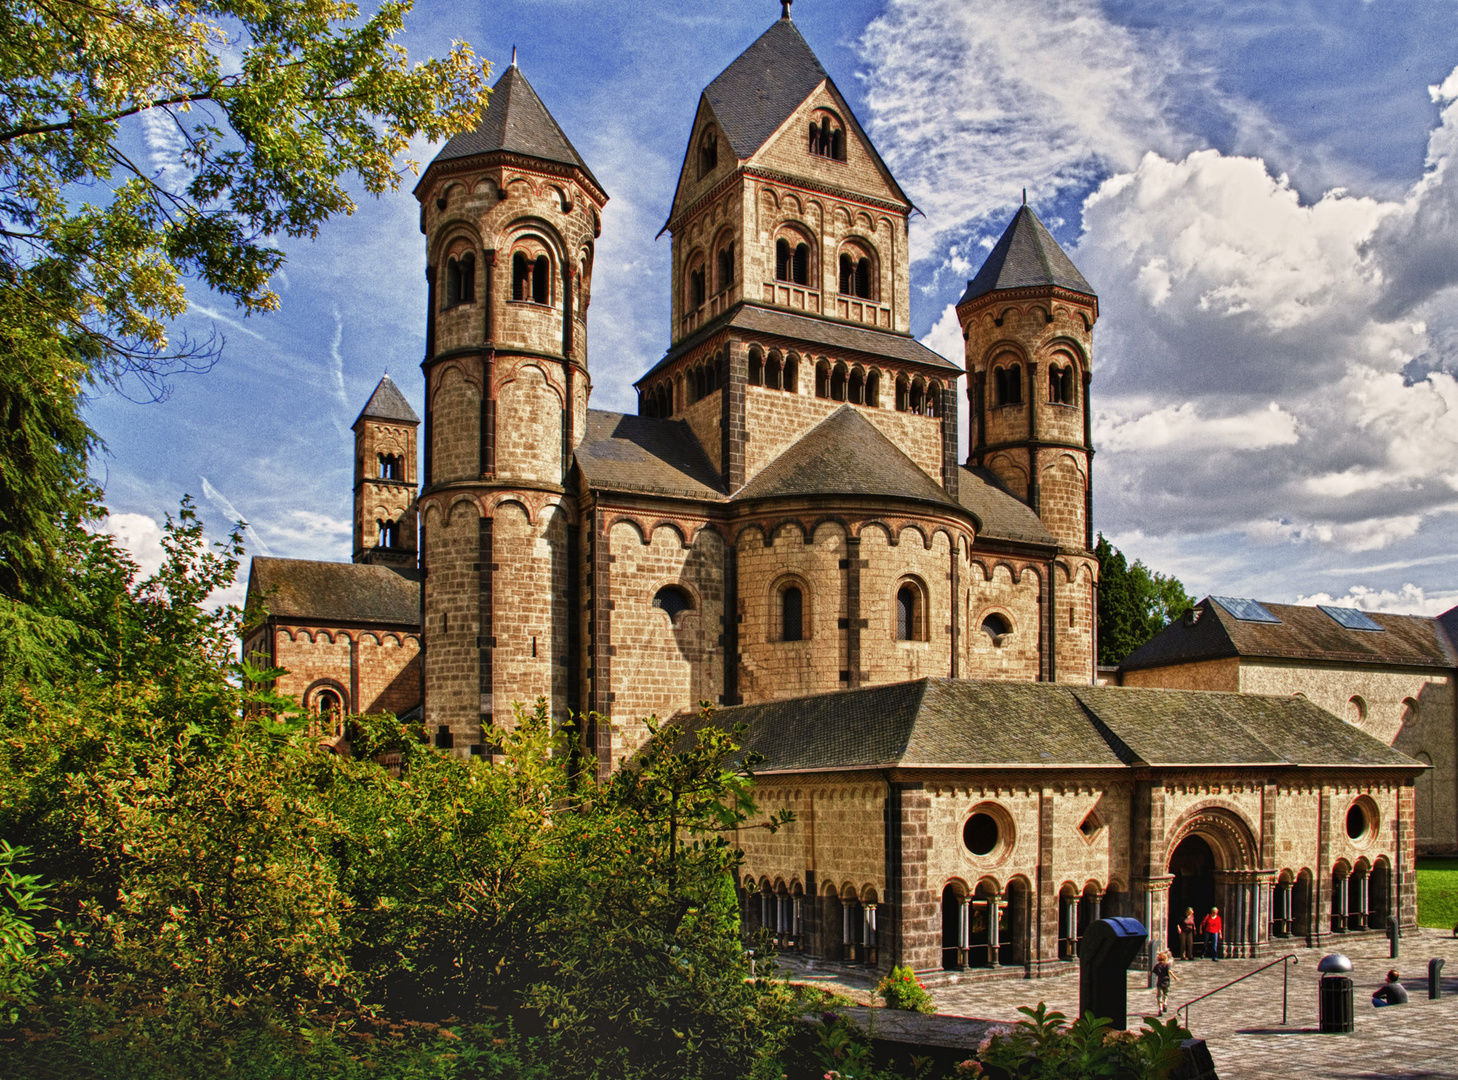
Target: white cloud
{"points": [[218, 499], [1408, 600], [140, 536], [1254, 430], [945, 337]]}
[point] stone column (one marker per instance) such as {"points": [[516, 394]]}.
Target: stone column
{"points": [[994, 931], [964, 928], [1098, 906], [868, 934]]}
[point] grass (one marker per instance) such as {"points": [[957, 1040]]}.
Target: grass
{"points": [[1437, 890]]}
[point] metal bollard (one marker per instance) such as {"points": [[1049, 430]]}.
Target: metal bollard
{"points": [[1435, 978], [1394, 934]]}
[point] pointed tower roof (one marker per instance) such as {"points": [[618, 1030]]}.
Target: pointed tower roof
{"points": [[387, 403], [755, 94], [516, 122], [1027, 256]]}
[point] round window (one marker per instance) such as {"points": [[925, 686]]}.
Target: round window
{"points": [[1357, 823], [981, 834]]}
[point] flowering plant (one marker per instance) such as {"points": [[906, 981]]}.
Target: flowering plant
{"points": [[1043, 1046], [903, 990]]}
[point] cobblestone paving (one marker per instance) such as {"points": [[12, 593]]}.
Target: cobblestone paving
{"points": [[1243, 1024]]}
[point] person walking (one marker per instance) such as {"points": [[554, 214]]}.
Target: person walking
{"points": [[1211, 929], [1187, 935], [1162, 976]]}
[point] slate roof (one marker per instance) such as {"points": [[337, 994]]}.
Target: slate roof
{"points": [[817, 330], [968, 723], [516, 121], [1304, 633], [844, 454], [637, 454], [764, 85], [1000, 514], [387, 403], [1026, 256], [338, 592], [1449, 622]]}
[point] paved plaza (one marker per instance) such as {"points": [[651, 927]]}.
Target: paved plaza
{"points": [[1242, 1025]]}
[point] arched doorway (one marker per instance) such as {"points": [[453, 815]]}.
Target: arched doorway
{"points": [[1193, 867], [954, 927]]}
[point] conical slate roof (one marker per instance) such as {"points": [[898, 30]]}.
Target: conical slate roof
{"points": [[755, 94], [387, 403], [516, 121], [1027, 256], [844, 454]]}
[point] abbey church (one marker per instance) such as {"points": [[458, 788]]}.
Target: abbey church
{"points": [[785, 529]]}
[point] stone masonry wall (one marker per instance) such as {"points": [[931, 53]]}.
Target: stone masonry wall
{"points": [[770, 667], [529, 611], [1204, 675], [993, 590], [884, 659], [455, 427], [528, 428], [451, 555], [660, 666]]}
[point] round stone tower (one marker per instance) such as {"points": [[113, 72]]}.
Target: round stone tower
{"points": [[1028, 318], [510, 212]]}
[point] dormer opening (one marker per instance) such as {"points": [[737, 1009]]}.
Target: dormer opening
{"points": [[708, 151], [827, 136]]}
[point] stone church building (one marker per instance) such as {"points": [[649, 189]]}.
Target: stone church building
{"points": [[784, 529]]}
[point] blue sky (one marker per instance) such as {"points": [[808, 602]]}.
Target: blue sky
{"points": [[1261, 193]]}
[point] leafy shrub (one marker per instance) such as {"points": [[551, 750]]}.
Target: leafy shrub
{"points": [[1043, 1046], [903, 990]]}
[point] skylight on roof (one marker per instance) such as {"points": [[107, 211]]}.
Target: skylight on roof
{"points": [[1351, 618], [1245, 610]]}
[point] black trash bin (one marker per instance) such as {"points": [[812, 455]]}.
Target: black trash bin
{"points": [[1334, 997], [1105, 951]]}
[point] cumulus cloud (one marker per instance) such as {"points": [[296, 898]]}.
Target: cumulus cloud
{"points": [[140, 536], [1254, 430], [1408, 600]]}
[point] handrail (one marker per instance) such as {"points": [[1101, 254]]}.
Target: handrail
{"points": [[1285, 980]]}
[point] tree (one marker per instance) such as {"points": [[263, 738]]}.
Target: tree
{"points": [[1134, 603], [269, 108]]}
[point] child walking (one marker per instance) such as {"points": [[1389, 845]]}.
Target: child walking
{"points": [[1163, 973]]}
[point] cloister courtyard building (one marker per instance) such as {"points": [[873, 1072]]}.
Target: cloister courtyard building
{"points": [[784, 528]]}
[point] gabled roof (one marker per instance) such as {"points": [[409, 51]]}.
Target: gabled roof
{"points": [[1000, 514], [387, 403], [356, 593], [517, 122], [1027, 256], [642, 455], [970, 723], [764, 85], [1303, 633], [844, 454], [847, 337]]}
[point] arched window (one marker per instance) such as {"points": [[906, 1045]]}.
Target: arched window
{"points": [[772, 372], [390, 467], [827, 137], [756, 368], [726, 267], [782, 259], [792, 613], [996, 627], [541, 288], [328, 703], [856, 387], [822, 380], [837, 383], [697, 293], [916, 401], [1007, 385], [855, 274], [665, 401], [791, 374], [933, 403], [909, 614], [708, 151], [673, 600], [800, 264], [389, 534], [903, 394], [467, 275], [1060, 385], [873, 389]]}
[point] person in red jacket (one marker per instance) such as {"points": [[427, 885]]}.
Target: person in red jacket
{"points": [[1210, 927]]}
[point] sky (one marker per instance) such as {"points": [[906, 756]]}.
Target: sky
{"points": [[1263, 195]]}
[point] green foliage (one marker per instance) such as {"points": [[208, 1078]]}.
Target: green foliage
{"points": [[274, 107], [1044, 1046], [20, 902], [1134, 603], [225, 899], [903, 990]]}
